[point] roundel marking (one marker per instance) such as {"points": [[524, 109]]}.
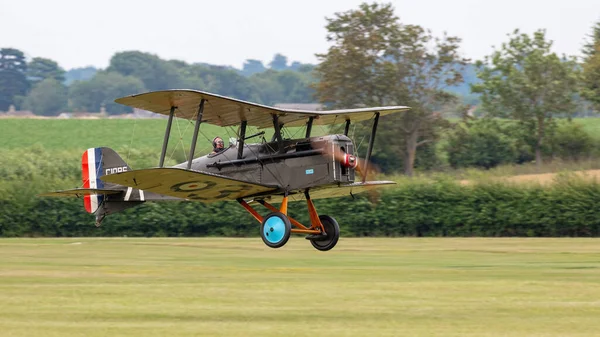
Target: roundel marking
{"points": [[191, 186]]}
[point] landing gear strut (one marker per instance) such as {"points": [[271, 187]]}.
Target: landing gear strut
{"points": [[276, 227]]}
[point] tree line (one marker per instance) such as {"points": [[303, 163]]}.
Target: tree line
{"points": [[40, 84], [374, 59]]}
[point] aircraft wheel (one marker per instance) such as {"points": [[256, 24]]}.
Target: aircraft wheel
{"points": [[332, 229], [275, 230]]}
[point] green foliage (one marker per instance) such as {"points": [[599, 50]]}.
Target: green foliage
{"points": [[570, 142], [414, 208], [40, 69], [524, 80], [279, 62], [282, 87], [590, 49], [481, 143], [252, 67], [590, 88], [387, 155], [13, 82], [48, 97], [79, 74], [155, 73], [375, 60], [227, 82], [486, 142], [102, 90]]}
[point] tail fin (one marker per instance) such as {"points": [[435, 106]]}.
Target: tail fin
{"points": [[96, 162], [104, 198]]}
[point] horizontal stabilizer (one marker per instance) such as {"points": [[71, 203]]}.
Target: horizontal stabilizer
{"points": [[188, 184], [79, 192]]}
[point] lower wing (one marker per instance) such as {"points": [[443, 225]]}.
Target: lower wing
{"points": [[188, 184], [332, 191]]}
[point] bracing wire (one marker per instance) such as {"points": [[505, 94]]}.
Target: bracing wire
{"points": [[363, 137], [179, 141], [131, 140]]}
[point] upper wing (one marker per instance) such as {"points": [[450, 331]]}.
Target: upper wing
{"points": [[187, 184], [225, 111], [332, 191]]}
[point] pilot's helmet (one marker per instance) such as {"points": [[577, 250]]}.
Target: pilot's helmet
{"points": [[214, 141]]}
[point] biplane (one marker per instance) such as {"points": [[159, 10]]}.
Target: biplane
{"points": [[263, 173]]}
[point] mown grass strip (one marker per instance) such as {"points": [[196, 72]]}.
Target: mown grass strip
{"points": [[239, 287]]}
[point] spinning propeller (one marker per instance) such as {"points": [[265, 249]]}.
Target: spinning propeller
{"points": [[362, 166]]}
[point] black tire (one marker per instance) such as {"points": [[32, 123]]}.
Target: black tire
{"points": [[275, 230], [332, 229]]}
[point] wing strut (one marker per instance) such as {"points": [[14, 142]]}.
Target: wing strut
{"points": [[370, 149], [277, 134], [309, 126], [347, 128], [166, 141], [196, 129], [241, 139]]}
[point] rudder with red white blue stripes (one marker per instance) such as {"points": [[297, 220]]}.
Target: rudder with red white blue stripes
{"points": [[91, 171]]}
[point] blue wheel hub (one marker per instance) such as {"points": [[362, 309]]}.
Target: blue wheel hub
{"points": [[274, 229]]}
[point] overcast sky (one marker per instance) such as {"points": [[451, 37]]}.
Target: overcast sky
{"points": [[78, 33]]}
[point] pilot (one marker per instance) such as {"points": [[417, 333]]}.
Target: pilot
{"points": [[218, 145]]}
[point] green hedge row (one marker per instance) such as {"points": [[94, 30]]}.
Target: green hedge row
{"points": [[417, 207]]}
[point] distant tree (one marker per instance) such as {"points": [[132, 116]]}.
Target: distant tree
{"points": [[253, 67], [591, 47], [481, 143], [375, 60], [13, 82], [48, 97], [570, 141], [283, 87], [103, 89], [155, 73], [279, 62], [79, 74], [224, 81], [301, 67], [296, 87], [40, 69], [524, 80], [268, 90], [591, 79], [177, 64], [306, 68], [590, 88], [187, 75]]}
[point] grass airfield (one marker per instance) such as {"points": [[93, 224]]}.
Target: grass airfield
{"points": [[239, 287]]}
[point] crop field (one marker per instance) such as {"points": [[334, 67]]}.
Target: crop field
{"points": [[137, 141], [66, 134], [80, 134], [239, 287]]}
